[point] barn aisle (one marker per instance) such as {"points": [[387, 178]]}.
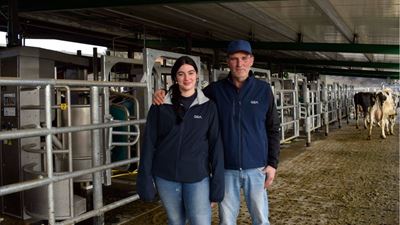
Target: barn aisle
{"points": [[341, 179]]}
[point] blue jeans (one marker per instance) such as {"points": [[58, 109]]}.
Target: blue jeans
{"points": [[185, 201], [252, 183]]}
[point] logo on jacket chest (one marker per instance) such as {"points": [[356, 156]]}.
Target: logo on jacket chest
{"points": [[197, 117], [254, 102]]}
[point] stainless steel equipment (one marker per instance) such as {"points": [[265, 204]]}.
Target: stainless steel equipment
{"points": [[17, 113]]}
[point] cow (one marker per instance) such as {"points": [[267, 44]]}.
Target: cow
{"points": [[392, 117], [362, 102], [382, 110]]}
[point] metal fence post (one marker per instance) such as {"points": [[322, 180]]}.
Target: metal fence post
{"points": [[49, 156], [96, 154]]}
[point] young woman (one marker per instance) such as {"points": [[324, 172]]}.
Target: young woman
{"points": [[182, 151]]}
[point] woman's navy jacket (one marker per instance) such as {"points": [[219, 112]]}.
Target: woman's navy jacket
{"points": [[250, 125], [185, 152]]}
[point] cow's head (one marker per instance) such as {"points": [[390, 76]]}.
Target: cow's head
{"points": [[381, 97]]}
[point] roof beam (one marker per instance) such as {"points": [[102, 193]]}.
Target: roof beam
{"points": [[262, 19], [349, 73], [329, 10], [343, 72], [74, 23], [287, 46], [51, 5], [329, 47], [375, 65]]}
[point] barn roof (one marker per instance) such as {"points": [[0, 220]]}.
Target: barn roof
{"points": [[341, 37]]}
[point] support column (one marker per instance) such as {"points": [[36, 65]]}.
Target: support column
{"points": [[306, 99], [13, 29], [325, 107], [95, 64]]}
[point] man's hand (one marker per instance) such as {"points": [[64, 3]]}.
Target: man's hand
{"points": [[158, 97], [270, 174], [213, 204]]}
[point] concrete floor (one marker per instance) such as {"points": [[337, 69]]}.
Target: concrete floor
{"points": [[340, 179]]}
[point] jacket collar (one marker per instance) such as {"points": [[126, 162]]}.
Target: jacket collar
{"points": [[249, 79], [200, 99]]}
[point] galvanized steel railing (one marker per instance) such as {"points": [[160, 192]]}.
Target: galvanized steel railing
{"points": [[49, 131]]}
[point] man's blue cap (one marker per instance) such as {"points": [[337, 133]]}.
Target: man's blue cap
{"points": [[238, 46]]}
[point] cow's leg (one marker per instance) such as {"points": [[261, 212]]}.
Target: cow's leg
{"points": [[387, 126], [392, 126], [383, 126], [367, 121], [370, 130], [356, 116], [392, 121]]}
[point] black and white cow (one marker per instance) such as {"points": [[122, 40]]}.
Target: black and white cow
{"points": [[382, 110], [362, 101]]}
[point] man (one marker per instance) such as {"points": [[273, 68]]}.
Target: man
{"points": [[250, 132]]}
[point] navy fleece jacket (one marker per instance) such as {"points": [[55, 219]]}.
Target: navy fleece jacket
{"points": [[182, 152], [250, 126]]}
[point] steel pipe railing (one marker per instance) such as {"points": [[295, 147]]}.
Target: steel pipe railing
{"points": [[49, 131], [12, 81], [100, 211], [4, 135], [96, 154], [49, 157], [26, 185]]}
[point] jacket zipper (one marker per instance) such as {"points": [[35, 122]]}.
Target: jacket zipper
{"points": [[240, 134], [178, 153], [180, 138]]}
